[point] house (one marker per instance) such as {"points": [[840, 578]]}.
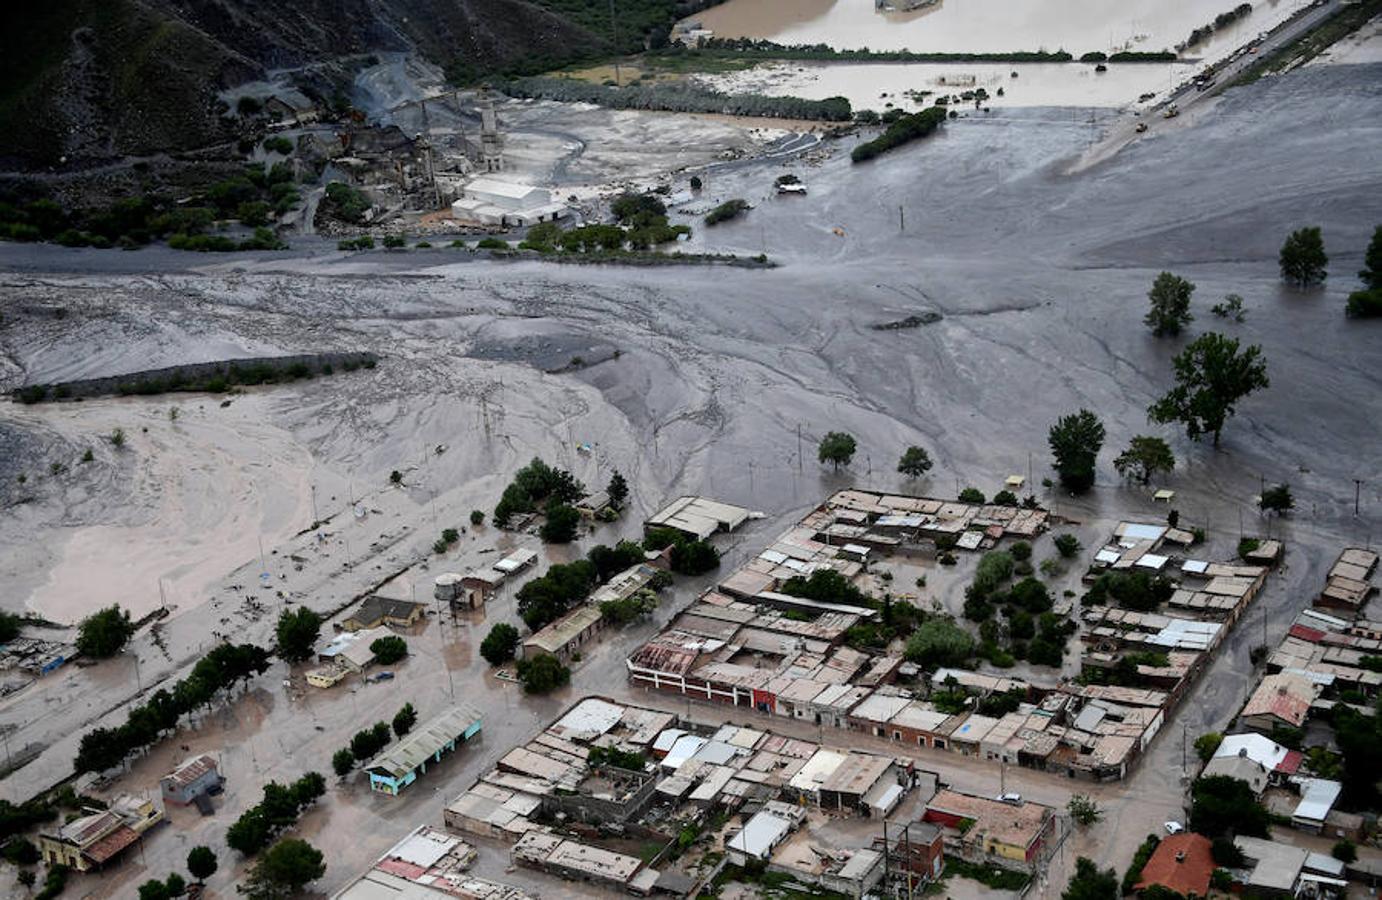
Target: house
{"points": [[1279, 762], [697, 517], [1282, 699], [1241, 767], [1317, 799], [863, 782], [573, 859], [400, 765], [564, 637], [593, 505], [917, 848], [378, 611], [99, 835], [763, 832], [1181, 863], [190, 780], [1272, 869], [998, 831]]}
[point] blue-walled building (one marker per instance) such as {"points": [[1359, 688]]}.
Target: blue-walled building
{"points": [[399, 766]]}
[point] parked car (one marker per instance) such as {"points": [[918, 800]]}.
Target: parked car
{"points": [[1014, 799], [380, 676], [1174, 828]]}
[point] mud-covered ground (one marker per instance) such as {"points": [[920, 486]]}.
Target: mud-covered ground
{"points": [[1040, 278]]}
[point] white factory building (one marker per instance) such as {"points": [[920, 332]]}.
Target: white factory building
{"points": [[491, 201]]}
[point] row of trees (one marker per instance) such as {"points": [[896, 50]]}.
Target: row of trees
{"points": [[280, 808], [222, 668], [682, 96], [201, 865], [905, 129], [534, 483], [367, 742]]}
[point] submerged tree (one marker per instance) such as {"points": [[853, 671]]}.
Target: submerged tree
{"points": [[1211, 377], [1170, 304], [1303, 259], [1075, 443], [836, 448], [915, 462], [1145, 456]]}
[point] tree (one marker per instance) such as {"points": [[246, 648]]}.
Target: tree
{"points": [[694, 557], [10, 626], [175, 885], [404, 720], [284, 870], [939, 641], [1211, 377], [1089, 883], [1303, 259], [297, 633], [915, 462], [1277, 499], [1206, 745], [618, 490], [1067, 545], [1225, 852], [1221, 804], [560, 527], [153, 889], [477, 517], [1084, 810], [27, 877], [342, 761], [1075, 443], [1230, 308], [498, 646], [1145, 456], [389, 650], [836, 448], [1372, 261], [201, 863], [105, 632], [542, 673], [1170, 301]]}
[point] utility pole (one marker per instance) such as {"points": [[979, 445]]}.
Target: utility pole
{"points": [[614, 29], [901, 219], [1357, 490], [798, 446]]}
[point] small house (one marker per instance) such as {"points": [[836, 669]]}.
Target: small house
{"points": [[190, 780], [399, 766], [377, 611]]}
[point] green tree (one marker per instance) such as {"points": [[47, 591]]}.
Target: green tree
{"points": [[915, 462], [1206, 745], [1083, 810], [1303, 259], [10, 625], [1075, 443], [1145, 456], [175, 885], [618, 491], [284, 870], [404, 720], [342, 761], [1170, 304], [939, 641], [694, 557], [105, 632], [1211, 377], [561, 523], [153, 889], [1372, 261], [1277, 499], [1067, 545], [1221, 804], [1345, 851], [972, 495], [836, 448], [477, 517], [498, 646], [389, 650], [297, 633], [542, 673], [1090, 883]]}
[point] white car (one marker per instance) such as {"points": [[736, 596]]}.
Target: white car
{"points": [[1174, 828], [1014, 799]]}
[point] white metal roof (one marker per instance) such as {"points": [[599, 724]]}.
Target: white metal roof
{"points": [[589, 719], [1318, 796]]}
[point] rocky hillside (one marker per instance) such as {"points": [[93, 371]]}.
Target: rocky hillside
{"points": [[89, 81]]}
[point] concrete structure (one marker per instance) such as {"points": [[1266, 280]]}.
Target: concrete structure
{"points": [[573, 859], [915, 854], [97, 837], [190, 780], [999, 832], [400, 765], [490, 201], [763, 832], [698, 517], [379, 611], [491, 141]]}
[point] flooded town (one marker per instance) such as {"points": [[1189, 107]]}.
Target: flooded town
{"points": [[507, 451]]}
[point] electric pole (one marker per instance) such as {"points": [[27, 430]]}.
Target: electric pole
{"points": [[1357, 490], [614, 30]]}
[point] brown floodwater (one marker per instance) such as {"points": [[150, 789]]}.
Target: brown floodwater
{"points": [[974, 26]]}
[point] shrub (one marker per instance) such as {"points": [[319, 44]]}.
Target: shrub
{"points": [[404, 720], [906, 128], [940, 642], [1067, 545], [1005, 498], [972, 495], [542, 673], [499, 645], [694, 557], [561, 523], [1021, 550], [395, 242], [725, 211], [491, 243], [477, 517]]}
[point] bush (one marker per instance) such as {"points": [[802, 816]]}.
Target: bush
{"points": [[560, 526], [1364, 304], [940, 642], [725, 211], [1139, 860], [906, 128], [477, 517], [389, 650], [1067, 545], [1021, 551], [694, 557], [1005, 498], [1345, 851], [395, 242], [491, 243], [972, 495], [404, 720], [347, 203]]}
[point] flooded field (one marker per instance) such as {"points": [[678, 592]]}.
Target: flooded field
{"points": [[974, 26]]}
